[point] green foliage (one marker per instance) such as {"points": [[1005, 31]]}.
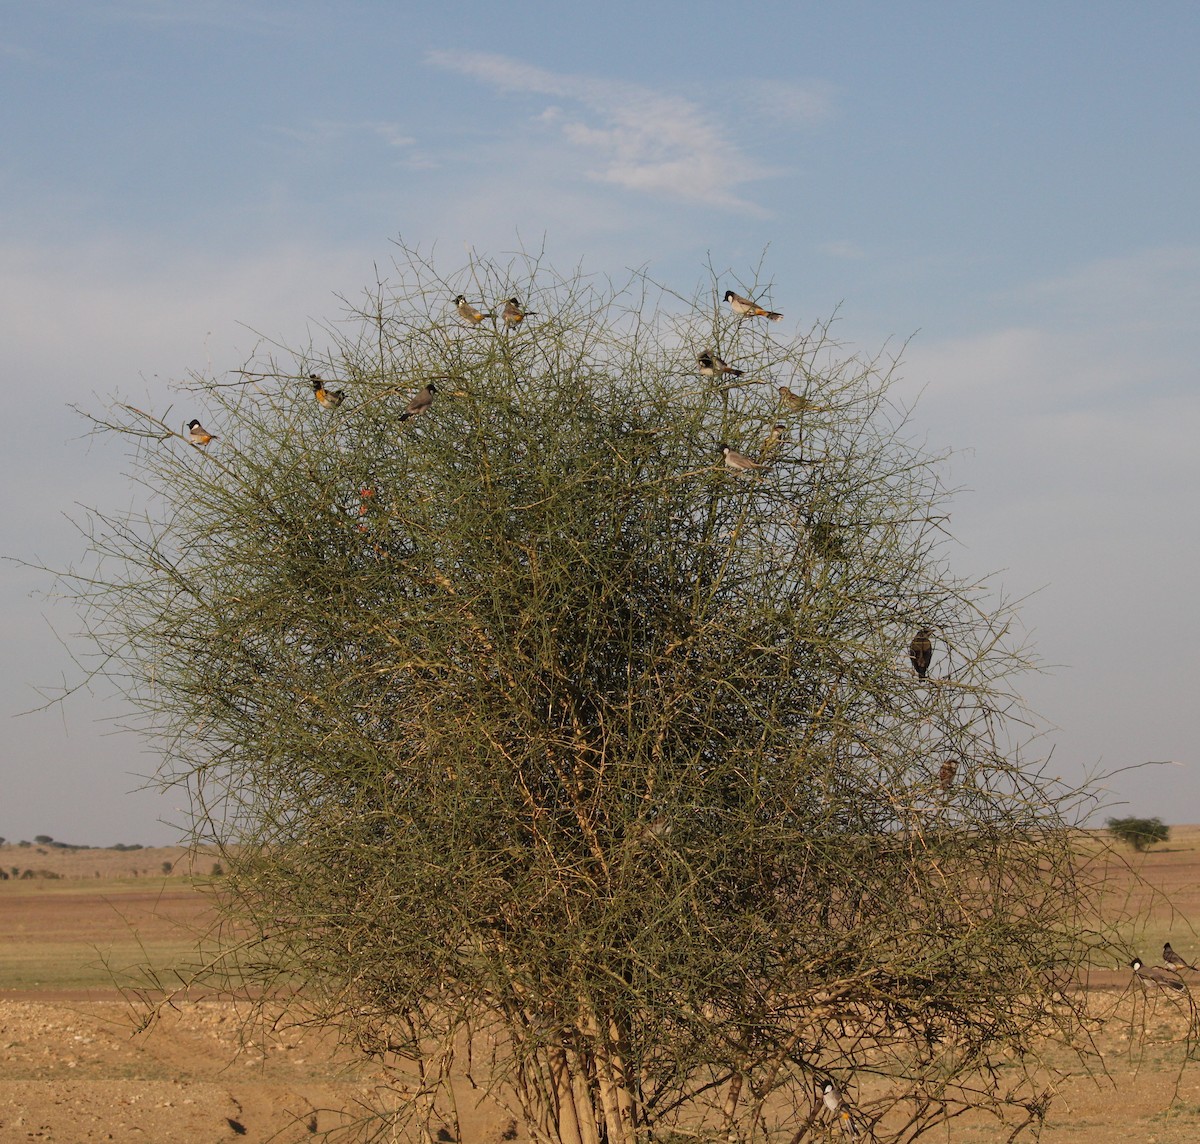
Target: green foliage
{"points": [[1140, 833], [526, 719]]}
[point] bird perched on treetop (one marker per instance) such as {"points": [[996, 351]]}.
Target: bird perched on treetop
{"points": [[736, 461], [468, 313], [197, 434], [1173, 959], [920, 651], [513, 314], [1164, 978], [798, 403], [711, 365], [326, 398], [744, 308], [422, 401], [946, 774]]}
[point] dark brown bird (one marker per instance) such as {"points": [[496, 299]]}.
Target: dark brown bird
{"points": [[1157, 975], [920, 651], [798, 403], [711, 366], [1173, 959], [744, 308], [197, 434], [326, 398], [946, 774], [420, 403]]}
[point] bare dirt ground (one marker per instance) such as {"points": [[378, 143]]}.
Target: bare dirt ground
{"points": [[75, 1068]]}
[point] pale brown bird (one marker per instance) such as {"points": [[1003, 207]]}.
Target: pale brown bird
{"points": [[774, 439], [1157, 975], [711, 366], [797, 403], [197, 434], [736, 461], [744, 308], [422, 401], [920, 651], [513, 314], [946, 774], [326, 398], [468, 313]]}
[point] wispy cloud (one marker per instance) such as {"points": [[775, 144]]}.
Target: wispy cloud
{"points": [[789, 101], [325, 134], [637, 137]]}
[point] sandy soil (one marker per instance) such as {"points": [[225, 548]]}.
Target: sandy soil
{"points": [[75, 1068]]}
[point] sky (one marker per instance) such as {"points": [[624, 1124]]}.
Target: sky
{"points": [[1006, 193]]}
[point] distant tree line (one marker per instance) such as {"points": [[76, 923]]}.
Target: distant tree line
{"points": [[46, 840]]}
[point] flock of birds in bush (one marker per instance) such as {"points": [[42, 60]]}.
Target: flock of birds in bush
{"points": [[1167, 976], [512, 314]]}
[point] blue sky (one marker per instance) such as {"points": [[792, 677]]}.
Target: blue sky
{"points": [[1008, 188]]}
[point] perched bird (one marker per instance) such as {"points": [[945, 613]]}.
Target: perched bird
{"points": [[774, 439], [513, 314], [1156, 975], [946, 774], [736, 461], [197, 434], [326, 398], [420, 403], [797, 403], [744, 308], [1173, 959], [712, 366], [920, 651], [831, 1097], [468, 313]]}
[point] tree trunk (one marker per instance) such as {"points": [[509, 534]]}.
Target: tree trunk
{"points": [[569, 1131]]}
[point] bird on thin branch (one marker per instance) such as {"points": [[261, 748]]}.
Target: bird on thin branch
{"points": [[920, 651], [326, 398], [1173, 960], [744, 308], [1157, 975]]}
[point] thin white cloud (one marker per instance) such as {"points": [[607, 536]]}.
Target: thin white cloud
{"points": [[637, 137], [789, 101], [326, 134], [1147, 291]]}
